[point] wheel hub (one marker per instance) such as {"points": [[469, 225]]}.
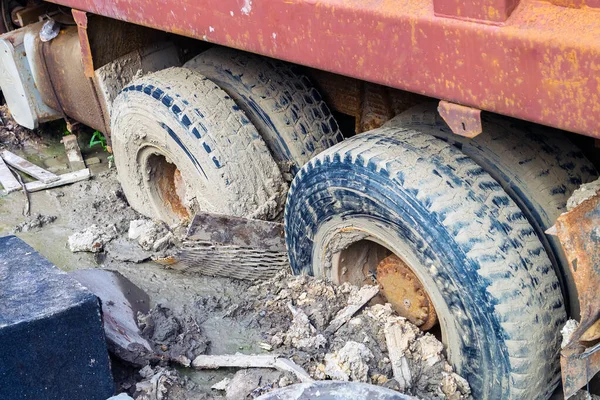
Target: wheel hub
{"points": [[170, 185], [403, 290]]}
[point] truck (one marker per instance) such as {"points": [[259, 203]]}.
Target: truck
{"points": [[442, 149]]}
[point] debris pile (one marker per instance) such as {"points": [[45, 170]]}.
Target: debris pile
{"points": [[335, 333], [12, 134], [146, 239], [179, 340], [304, 328], [35, 222], [312, 330]]}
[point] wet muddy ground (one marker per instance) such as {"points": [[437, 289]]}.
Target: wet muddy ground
{"points": [[287, 315]]}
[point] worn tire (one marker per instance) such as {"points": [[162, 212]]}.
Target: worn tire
{"points": [[492, 285], [284, 106], [538, 167], [182, 116]]}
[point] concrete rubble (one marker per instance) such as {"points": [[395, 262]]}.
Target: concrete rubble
{"points": [[309, 328], [294, 313], [350, 363], [92, 239]]}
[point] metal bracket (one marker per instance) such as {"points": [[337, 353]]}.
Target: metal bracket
{"points": [[86, 52], [464, 121], [579, 234]]}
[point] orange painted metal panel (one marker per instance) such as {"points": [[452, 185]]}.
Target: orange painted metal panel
{"points": [[542, 64]]}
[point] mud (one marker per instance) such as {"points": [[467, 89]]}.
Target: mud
{"points": [[584, 192], [35, 222], [193, 314], [12, 135], [165, 384], [177, 339]]}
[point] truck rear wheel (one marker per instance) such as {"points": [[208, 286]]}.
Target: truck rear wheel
{"points": [[182, 145], [538, 168], [286, 109], [396, 205]]}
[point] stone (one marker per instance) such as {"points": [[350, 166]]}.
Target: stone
{"points": [[92, 239], [53, 344], [221, 385], [121, 302], [349, 363], [245, 381], [147, 233], [93, 161]]}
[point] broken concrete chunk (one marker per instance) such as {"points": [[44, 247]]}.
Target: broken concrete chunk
{"points": [[583, 193], [246, 382], [461, 384], [302, 334], [149, 235], [567, 332], [221, 385], [448, 385], [430, 348], [122, 249], [349, 363], [139, 227], [92, 239], [121, 302]]}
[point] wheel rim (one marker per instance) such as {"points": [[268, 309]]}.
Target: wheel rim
{"points": [[166, 186], [405, 292], [352, 250], [366, 261]]}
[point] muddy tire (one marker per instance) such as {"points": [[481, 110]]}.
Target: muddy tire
{"points": [[286, 109], [495, 292], [538, 167], [182, 145]]}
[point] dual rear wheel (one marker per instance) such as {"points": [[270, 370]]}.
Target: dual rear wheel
{"points": [[447, 233]]}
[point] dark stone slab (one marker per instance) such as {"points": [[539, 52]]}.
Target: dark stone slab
{"points": [[52, 341]]}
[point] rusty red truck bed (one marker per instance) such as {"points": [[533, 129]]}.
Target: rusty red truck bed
{"points": [[532, 60]]}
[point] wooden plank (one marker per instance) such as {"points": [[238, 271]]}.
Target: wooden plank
{"points": [[30, 169], [235, 361], [7, 179], [287, 365], [365, 294], [64, 179], [397, 342], [73, 152]]}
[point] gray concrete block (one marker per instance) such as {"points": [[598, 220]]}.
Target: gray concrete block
{"points": [[53, 344]]}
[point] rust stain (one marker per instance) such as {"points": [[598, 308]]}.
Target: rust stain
{"points": [[540, 62], [579, 233], [407, 295], [464, 121]]}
